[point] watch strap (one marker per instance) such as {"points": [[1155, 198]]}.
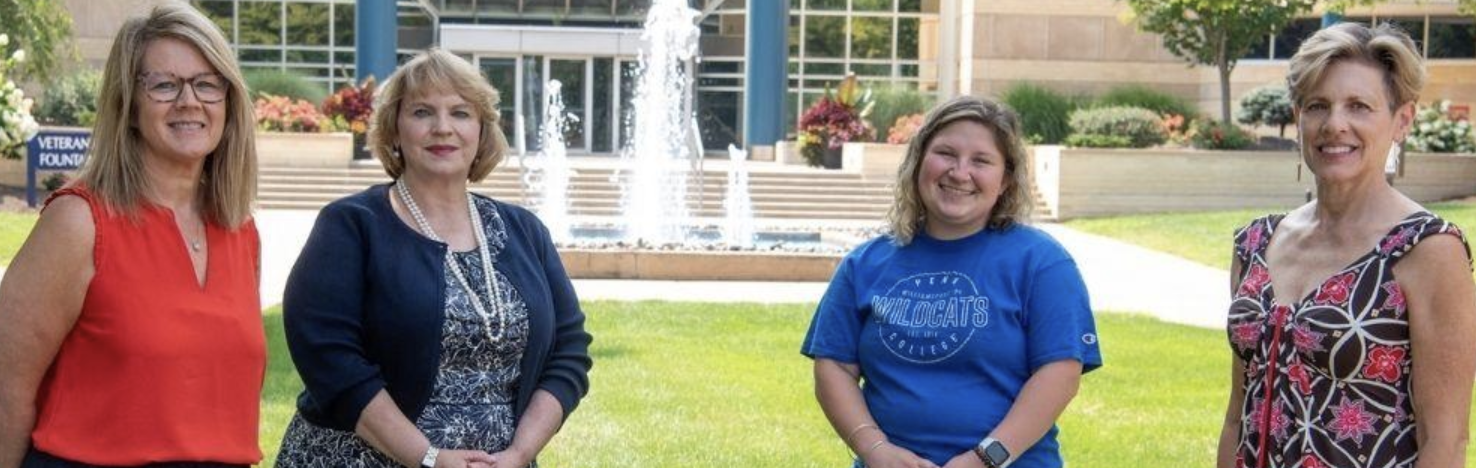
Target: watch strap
{"points": [[429, 460]]}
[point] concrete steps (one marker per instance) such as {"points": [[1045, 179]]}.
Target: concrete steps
{"points": [[786, 194]]}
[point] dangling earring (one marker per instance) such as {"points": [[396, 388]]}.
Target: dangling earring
{"points": [[1299, 172], [396, 152]]}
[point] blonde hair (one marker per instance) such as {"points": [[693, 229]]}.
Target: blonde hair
{"points": [[1384, 46], [432, 71], [1015, 202], [114, 171]]}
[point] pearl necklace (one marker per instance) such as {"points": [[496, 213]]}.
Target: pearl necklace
{"points": [[492, 287]]}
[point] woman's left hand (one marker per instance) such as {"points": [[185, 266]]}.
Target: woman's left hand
{"points": [[965, 460], [511, 458]]}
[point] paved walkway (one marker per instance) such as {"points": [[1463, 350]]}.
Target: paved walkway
{"points": [[1121, 277]]}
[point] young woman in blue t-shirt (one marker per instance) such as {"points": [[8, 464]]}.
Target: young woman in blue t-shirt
{"points": [[959, 338]]}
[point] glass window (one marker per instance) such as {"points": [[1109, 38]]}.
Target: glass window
{"points": [[502, 74], [794, 67], [907, 70], [908, 31], [570, 74], [345, 57], [261, 55], [717, 119], [602, 115], [871, 5], [532, 98], [632, 7], [261, 23], [872, 69], [825, 36], [545, 7], [1291, 38], [220, 13], [305, 24], [627, 101], [1452, 37], [791, 114], [712, 66], [794, 35], [1415, 27], [589, 8], [816, 68], [717, 82], [871, 38], [826, 4], [911, 6], [315, 57], [457, 6], [343, 25]]}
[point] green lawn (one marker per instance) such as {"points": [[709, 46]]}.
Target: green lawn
{"points": [[14, 227], [1205, 237], [695, 384]]}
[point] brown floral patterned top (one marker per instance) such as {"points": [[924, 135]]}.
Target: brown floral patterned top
{"points": [[1327, 379]]}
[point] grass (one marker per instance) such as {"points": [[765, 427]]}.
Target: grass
{"points": [[698, 384], [14, 227], [1205, 237]]}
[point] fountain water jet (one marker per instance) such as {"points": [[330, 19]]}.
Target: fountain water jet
{"points": [[548, 174], [654, 198], [739, 229]]}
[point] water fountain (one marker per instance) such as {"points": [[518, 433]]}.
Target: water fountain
{"points": [[738, 231], [548, 173], [654, 198]]}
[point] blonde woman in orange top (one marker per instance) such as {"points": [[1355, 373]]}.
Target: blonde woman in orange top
{"points": [[133, 331]]}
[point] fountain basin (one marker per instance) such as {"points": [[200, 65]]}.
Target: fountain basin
{"points": [[699, 265]]}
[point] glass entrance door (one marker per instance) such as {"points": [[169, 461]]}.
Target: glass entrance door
{"points": [[574, 75]]}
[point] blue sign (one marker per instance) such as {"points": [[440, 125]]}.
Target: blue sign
{"points": [[54, 150]]}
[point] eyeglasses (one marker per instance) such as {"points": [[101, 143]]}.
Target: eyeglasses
{"points": [[209, 88]]}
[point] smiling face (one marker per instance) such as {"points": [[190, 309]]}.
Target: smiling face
{"points": [[439, 133], [1347, 127], [961, 178], [184, 130]]}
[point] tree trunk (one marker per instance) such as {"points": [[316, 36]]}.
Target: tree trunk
{"points": [[1223, 63]]}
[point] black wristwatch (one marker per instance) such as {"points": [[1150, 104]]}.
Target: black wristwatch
{"points": [[993, 453]]}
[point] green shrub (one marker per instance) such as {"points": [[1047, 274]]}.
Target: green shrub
{"points": [[1433, 132], [1267, 105], [1045, 114], [1098, 141], [894, 101], [1140, 96], [1216, 135], [71, 101], [284, 83], [1140, 127]]}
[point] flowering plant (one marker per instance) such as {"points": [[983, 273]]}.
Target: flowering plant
{"points": [[904, 129], [284, 114], [833, 120], [352, 104], [1435, 132], [16, 123]]}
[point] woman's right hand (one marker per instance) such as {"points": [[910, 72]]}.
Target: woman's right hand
{"points": [[464, 459], [887, 455]]}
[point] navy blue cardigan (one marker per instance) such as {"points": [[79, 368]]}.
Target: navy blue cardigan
{"points": [[365, 303]]}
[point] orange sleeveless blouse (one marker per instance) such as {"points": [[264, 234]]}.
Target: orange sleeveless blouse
{"points": [[158, 368]]}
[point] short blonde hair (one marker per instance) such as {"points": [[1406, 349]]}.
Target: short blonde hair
{"points": [[434, 71], [115, 171], [1384, 46], [1014, 204]]}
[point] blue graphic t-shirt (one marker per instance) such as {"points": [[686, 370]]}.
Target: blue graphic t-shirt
{"points": [[947, 332]]}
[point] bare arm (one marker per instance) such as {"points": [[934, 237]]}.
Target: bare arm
{"points": [[1042, 400], [1442, 328], [837, 388], [1230, 432], [40, 300], [537, 426], [387, 429]]}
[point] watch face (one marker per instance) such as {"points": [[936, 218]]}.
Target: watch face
{"points": [[997, 453]]}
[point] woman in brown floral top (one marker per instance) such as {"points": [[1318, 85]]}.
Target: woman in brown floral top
{"points": [[1353, 317]]}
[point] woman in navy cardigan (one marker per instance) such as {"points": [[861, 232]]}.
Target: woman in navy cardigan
{"points": [[410, 353]]}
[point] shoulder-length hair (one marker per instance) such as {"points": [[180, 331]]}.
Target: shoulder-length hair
{"points": [[1383, 46], [1015, 202], [435, 71], [115, 169]]}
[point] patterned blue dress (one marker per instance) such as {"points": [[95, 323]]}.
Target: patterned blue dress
{"points": [[471, 405]]}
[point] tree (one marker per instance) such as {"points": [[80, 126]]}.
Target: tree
{"points": [[1215, 32], [43, 28]]}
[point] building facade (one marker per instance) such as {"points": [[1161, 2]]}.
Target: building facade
{"points": [[938, 47]]}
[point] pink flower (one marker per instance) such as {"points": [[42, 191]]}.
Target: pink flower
{"points": [[1395, 300], [1298, 375], [1254, 280], [1351, 421], [1278, 421], [1384, 363], [1245, 335], [1306, 340], [1254, 236], [1311, 461], [1336, 289], [1396, 240]]}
